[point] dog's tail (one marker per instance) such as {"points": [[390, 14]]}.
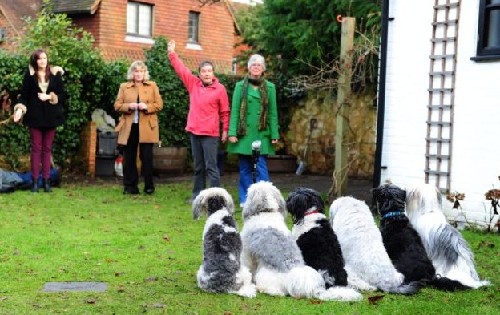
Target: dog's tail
{"points": [[306, 282], [407, 288], [338, 293], [303, 282], [446, 284]]}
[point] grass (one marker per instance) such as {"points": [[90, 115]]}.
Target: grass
{"points": [[148, 250]]}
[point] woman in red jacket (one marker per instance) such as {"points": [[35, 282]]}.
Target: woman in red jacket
{"points": [[208, 108]]}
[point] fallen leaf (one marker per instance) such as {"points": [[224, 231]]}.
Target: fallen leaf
{"points": [[151, 279], [373, 300]]}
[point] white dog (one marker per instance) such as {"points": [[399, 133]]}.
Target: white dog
{"points": [[448, 250], [367, 263], [272, 255], [221, 270]]}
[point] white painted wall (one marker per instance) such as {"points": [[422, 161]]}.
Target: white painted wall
{"points": [[476, 145], [476, 139], [403, 154]]}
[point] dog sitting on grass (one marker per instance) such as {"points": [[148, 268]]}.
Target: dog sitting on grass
{"points": [[367, 263], [402, 242], [315, 237], [445, 246], [221, 270]]}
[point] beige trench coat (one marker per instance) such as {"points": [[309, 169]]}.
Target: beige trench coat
{"points": [[148, 120]]}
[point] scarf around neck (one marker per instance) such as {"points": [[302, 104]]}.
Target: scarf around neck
{"points": [[264, 104]]}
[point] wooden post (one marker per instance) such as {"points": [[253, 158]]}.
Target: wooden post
{"points": [[343, 102]]}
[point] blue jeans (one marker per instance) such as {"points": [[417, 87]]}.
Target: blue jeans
{"points": [[246, 173], [204, 150]]}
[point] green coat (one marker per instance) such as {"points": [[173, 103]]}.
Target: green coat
{"points": [[244, 144]]}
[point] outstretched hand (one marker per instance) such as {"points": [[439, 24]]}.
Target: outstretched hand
{"points": [[171, 45]]}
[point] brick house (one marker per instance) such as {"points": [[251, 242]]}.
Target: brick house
{"points": [[12, 13], [123, 28]]}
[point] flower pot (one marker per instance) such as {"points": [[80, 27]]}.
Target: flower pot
{"points": [[281, 163], [169, 159]]}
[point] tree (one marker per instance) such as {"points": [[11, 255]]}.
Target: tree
{"points": [[302, 37]]}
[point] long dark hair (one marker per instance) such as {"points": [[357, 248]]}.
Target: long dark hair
{"points": [[33, 62]]}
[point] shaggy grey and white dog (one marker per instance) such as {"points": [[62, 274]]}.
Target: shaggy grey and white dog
{"points": [[271, 253], [403, 243], [367, 263], [221, 270], [448, 250]]}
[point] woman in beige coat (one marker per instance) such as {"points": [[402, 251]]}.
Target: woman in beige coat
{"points": [[138, 101]]}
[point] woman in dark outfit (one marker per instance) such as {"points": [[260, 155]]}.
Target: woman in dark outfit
{"points": [[43, 95]]}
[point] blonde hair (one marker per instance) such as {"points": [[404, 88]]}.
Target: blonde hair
{"points": [[137, 64]]}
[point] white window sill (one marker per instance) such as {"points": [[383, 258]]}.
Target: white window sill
{"points": [[193, 46], [137, 39]]}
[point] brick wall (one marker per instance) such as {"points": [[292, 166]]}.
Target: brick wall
{"points": [[88, 147], [109, 25]]}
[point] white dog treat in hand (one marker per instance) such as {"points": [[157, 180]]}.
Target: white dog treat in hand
{"points": [[19, 111], [18, 114]]}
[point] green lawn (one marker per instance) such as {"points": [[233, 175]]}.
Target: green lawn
{"points": [[148, 250]]}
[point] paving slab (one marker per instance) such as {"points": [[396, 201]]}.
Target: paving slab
{"points": [[77, 286]]}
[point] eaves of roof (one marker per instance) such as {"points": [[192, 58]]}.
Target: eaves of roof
{"points": [[71, 7]]}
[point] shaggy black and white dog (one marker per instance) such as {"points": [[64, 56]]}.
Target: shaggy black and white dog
{"points": [[402, 242], [445, 246], [315, 237], [221, 270], [272, 255], [367, 263]]}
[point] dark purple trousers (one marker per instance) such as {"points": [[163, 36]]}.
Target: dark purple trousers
{"points": [[41, 150]]}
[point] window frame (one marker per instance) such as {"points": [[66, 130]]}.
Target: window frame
{"points": [[136, 32], [194, 30], [482, 52]]}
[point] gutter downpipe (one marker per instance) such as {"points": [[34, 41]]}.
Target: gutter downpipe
{"points": [[381, 93]]}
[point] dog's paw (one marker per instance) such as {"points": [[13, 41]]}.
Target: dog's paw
{"points": [[248, 291]]}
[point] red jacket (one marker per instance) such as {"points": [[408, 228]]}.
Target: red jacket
{"points": [[208, 105]]}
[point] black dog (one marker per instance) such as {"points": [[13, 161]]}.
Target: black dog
{"points": [[402, 242], [315, 236]]}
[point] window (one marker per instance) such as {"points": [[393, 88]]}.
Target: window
{"points": [[488, 46], [139, 19], [193, 27]]}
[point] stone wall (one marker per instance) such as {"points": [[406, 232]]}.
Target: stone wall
{"points": [[312, 131]]}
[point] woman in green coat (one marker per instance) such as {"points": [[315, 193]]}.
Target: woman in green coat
{"points": [[254, 117]]}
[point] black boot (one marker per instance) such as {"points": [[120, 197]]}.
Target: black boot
{"points": [[34, 185], [46, 185]]}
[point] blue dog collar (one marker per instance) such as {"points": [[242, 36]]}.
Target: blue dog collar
{"points": [[393, 214]]}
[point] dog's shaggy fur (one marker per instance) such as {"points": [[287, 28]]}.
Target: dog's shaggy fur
{"points": [[445, 246], [271, 253], [366, 261], [402, 242], [221, 270], [315, 237]]}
